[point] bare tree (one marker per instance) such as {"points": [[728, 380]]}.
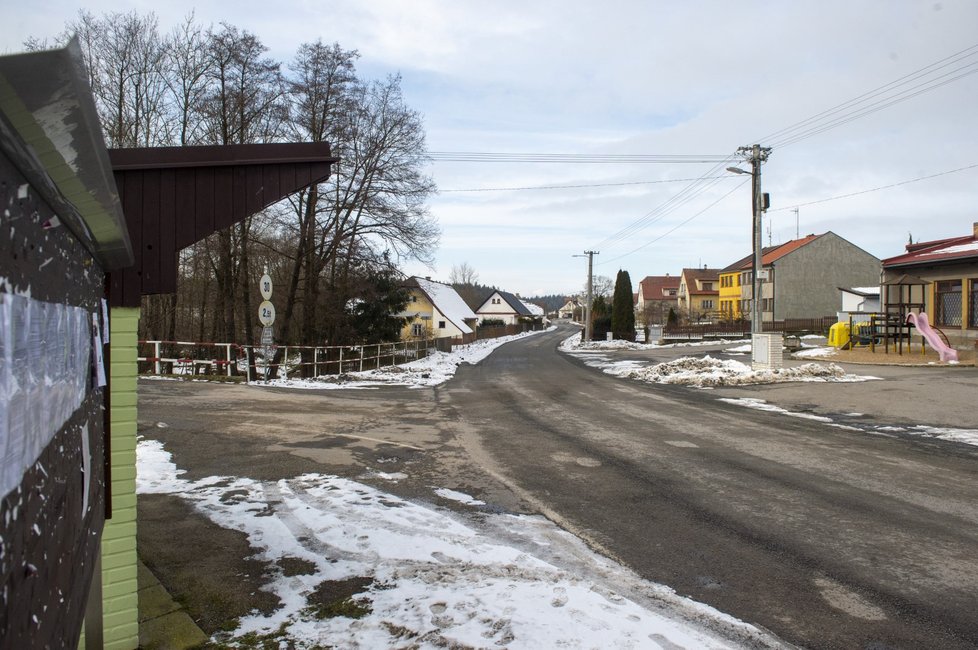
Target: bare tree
{"points": [[319, 96], [463, 274], [186, 59], [240, 106]]}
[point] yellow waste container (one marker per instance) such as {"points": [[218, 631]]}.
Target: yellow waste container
{"points": [[839, 335]]}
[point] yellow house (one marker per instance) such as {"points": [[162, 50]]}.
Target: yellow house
{"points": [[699, 294], [435, 311], [730, 295]]}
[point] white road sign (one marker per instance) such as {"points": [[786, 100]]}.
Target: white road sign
{"points": [[266, 313], [265, 286]]}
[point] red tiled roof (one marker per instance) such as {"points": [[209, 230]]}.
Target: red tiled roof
{"points": [[656, 287], [770, 254], [939, 250], [703, 275]]}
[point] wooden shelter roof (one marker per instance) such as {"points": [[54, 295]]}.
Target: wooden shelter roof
{"points": [[173, 197]]}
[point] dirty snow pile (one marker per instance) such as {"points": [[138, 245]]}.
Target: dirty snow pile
{"points": [[429, 579], [575, 343], [816, 352], [708, 372], [434, 369]]}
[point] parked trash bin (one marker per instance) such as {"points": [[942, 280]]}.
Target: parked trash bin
{"points": [[839, 335]]}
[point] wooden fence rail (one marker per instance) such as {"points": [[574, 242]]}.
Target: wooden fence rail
{"points": [[194, 358]]}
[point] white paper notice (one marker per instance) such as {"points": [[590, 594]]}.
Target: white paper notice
{"points": [[97, 350]]}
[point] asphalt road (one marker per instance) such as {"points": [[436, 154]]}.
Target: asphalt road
{"points": [[828, 537]]}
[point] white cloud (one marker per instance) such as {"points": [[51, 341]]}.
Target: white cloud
{"points": [[652, 78]]}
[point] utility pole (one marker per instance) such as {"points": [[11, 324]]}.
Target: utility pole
{"points": [[590, 292], [756, 154]]}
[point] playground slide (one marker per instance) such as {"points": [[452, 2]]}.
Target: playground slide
{"points": [[923, 326]]}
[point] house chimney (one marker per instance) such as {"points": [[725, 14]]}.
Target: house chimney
{"points": [[974, 229]]}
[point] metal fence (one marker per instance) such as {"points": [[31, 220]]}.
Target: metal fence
{"points": [[196, 358]]}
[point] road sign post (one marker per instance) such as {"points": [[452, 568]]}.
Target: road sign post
{"points": [[266, 316]]}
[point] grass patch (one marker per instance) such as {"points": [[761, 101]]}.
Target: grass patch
{"points": [[293, 566], [334, 598]]}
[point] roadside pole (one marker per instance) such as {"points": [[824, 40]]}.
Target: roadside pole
{"points": [[590, 292], [266, 315]]}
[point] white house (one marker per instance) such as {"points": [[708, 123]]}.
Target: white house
{"points": [[860, 299], [567, 311], [504, 306]]}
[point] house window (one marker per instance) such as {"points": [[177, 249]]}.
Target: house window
{"points": [[414, 299], [767, 304], [441, 324], [707, 304], [973, 303], [417, 329], [949, 303], [672, 293], [707, 286]]}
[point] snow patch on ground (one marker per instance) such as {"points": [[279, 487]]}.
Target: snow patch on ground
{"points": [[966, 436], [761, 405], [810, 353], [460, 497], [516, 582]]}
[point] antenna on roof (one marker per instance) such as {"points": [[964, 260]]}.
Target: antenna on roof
{"points": [[797, 236]]}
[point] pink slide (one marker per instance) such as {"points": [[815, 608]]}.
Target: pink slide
{"points": [[923, 326]]}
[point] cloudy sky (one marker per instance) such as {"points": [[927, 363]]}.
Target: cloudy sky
{"points": [[682, 80]]}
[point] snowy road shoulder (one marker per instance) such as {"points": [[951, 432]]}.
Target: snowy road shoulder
{"points": [[434, 369], [703, 372], [431, 579]]}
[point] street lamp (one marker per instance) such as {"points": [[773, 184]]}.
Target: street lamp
{"points": [[757, 154]]}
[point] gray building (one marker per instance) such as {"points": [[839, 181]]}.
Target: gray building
{"points": [[801, 278]]}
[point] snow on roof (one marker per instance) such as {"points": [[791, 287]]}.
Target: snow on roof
{"points": [[863, 291], [448, 302], [940, 250], [960, 248], [536, 310], [517, 305]]}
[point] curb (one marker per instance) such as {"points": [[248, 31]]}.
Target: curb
{"points": [[163, 624]]}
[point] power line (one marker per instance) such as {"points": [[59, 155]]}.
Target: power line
{"points": [[569, 158], [875, 100], [876, 189], [683, 197], [570, 187], [879, 98], [677, 226]]}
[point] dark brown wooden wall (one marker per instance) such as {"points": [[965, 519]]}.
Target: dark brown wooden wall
{"points": [[48, 543], [171, 202]]}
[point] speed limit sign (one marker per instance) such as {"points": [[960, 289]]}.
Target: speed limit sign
{"points": [[265, 286]]}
